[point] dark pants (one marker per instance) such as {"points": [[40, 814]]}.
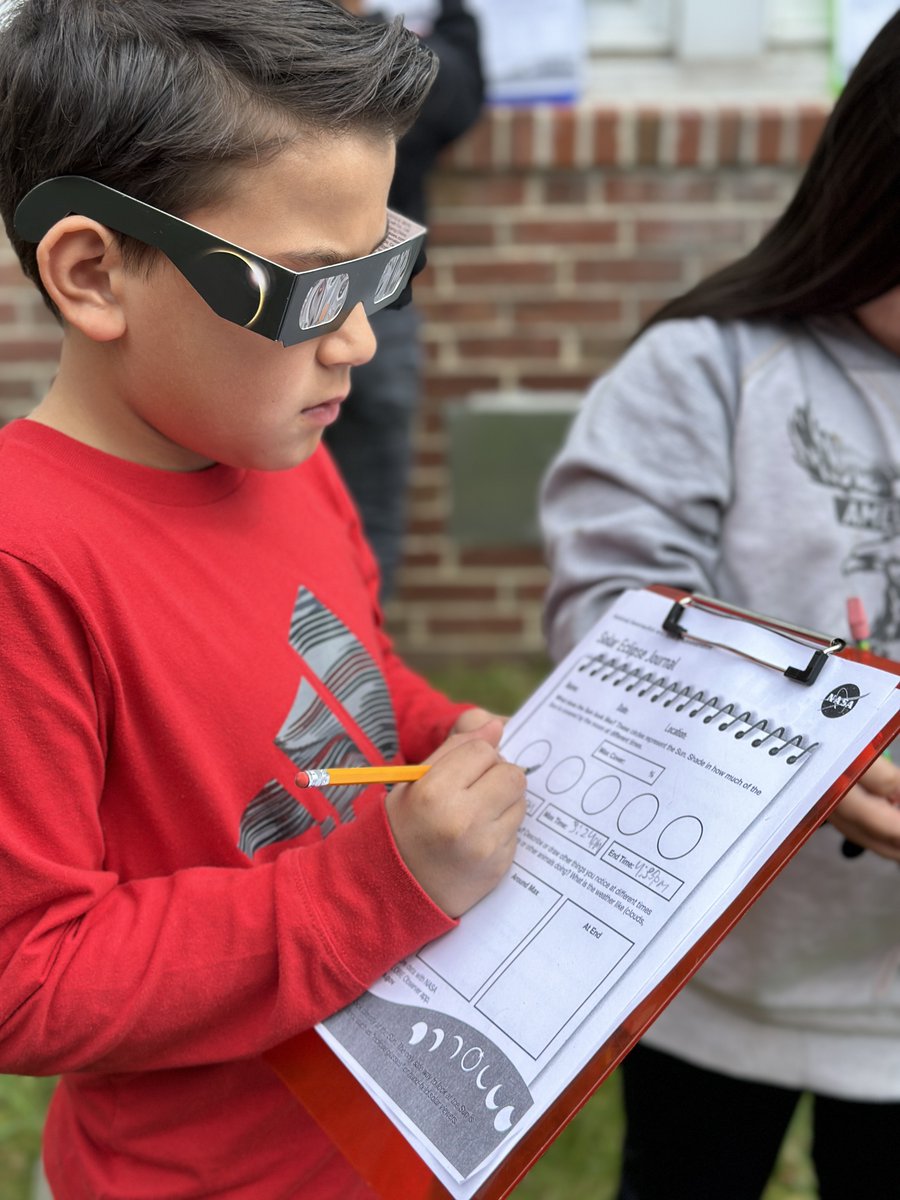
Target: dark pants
{"points": [[694, 1134], [372, 439]]}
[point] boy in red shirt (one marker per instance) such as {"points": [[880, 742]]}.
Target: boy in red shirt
{"points": [[188, 611]]}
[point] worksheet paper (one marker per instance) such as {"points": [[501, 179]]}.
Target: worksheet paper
{"points": [[662, 775]]}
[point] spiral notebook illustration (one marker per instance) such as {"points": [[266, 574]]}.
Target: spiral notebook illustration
{"points": [[676, 760]]}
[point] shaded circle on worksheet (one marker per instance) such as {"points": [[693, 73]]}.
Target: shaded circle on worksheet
{"points": [[565, 774], [680, 837], [534, 755], [638, 813], [601, 794]]}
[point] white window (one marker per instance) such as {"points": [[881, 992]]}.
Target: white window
{"points": [[629, 26], [704, 28]]}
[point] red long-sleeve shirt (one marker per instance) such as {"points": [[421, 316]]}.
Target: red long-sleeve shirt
{"points": [[173, 646]]}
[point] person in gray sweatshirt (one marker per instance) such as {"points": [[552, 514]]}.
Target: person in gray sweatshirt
{"points": [[747, 446]]}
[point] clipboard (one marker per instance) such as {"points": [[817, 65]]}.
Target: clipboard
{"points": [[370, 1140]]}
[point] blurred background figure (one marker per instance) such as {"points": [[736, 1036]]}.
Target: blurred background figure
{"points": [[372, 441]]}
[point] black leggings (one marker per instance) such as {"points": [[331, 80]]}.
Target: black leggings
{"points": [[694, 1134]]}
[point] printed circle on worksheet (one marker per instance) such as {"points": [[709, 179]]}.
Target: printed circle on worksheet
{"points": [[638, 813], [533, 757], [680, 837], [600, 795], [565, 775]]}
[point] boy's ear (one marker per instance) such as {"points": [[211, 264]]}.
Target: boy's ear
{"points": [[80, 262]]}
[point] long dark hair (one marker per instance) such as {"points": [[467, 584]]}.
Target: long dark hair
{"points": [[837, 244], [161, 98]]}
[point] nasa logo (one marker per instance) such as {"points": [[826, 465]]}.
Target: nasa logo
{"points": [[840, 700]]}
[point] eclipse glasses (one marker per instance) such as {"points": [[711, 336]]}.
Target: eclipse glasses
{"points": [[253, 292]]}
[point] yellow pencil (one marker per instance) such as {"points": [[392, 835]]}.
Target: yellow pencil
{"points": [[322, 777]]}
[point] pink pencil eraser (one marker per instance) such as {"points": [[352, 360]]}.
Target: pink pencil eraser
{"points": [[859, 622], [301, 779]]}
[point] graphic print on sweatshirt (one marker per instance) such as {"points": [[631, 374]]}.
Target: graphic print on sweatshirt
{"points": [[866, 498], [315, 734]]}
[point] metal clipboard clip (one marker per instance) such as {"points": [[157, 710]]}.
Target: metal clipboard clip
{"points": [[804, 637]]}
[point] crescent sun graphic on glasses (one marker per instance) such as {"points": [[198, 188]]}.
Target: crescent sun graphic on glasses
{"points": [[244, 288]]}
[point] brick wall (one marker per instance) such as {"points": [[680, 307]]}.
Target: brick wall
{"points": [[555, 232]]}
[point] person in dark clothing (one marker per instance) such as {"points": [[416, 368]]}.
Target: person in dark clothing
{"points": [[372, 441]]}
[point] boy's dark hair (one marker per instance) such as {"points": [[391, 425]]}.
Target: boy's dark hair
{"points": [[159, 98], [837, 244]]}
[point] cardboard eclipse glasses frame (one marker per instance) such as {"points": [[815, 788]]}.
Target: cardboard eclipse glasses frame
{"points": [[253, 292]]}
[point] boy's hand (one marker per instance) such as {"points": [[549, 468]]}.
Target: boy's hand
{"points": [[869, 815], [475, 718], [456, 826]]}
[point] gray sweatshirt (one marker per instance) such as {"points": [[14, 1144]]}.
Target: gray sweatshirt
{"points": [[759, 463]]}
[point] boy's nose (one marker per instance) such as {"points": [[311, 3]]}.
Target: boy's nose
{"points": [[352, 343]]}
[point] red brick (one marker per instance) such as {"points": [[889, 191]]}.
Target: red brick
{"points": [[522, 137], [755, 188], [426, 493], [478, 144], [649, 305], [768, 136], [451, 312], [568, 312], [476, 191], [431, 458], [557, 233], [501, 556], [458, 150], [29, 351], [426, 281], [605, 139], [501, 273], [648, 134], [509, 347], [574, 381], [531, 592], [461, 233], [11, 273], [16, 389], [33, 309], [456, 387], [811, 121], [475, 624], [424, 527], [660, 189], [688, 234], [420, 558], [629, 270], [566, 189], [452, 591], [687, 148], [564, 130], [729, 136]]}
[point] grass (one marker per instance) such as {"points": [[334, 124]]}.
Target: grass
{"points": [[23, 1102], [583, 1162]]}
